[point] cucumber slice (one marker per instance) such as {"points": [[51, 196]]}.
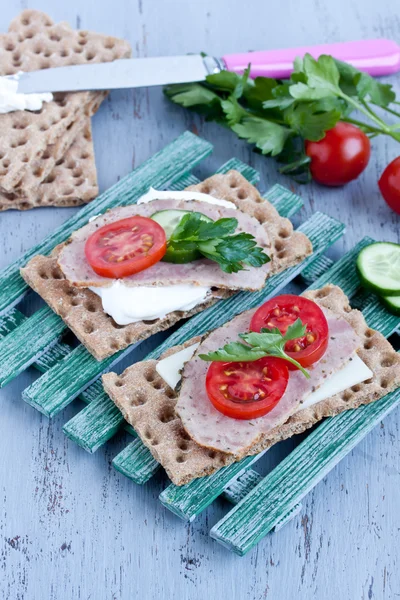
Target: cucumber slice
{"points": [[392, 303], [181, 255], [169, 219], [379, 268]]}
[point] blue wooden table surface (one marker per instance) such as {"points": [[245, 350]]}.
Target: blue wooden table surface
{"points": [[70, 525]]}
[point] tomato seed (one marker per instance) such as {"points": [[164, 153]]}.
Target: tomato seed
{"points": [[296, 348]]}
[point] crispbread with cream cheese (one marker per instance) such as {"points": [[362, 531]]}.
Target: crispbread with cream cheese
{"points": [[82, 311], [148, 403]]}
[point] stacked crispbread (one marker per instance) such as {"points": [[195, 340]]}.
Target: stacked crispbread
{"points": [[148, 403], [47, 157]]}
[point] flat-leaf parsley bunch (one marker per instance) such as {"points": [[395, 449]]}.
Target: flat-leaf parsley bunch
{"points": [[278, 116]]}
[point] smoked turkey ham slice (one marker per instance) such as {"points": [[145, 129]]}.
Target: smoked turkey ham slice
{"points": [[211, 429], [203, 272]]}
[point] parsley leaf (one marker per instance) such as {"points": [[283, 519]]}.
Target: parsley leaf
{"points": [[322, 79], [270, 342], [234, 112], [268, 137], [309, 124], [217, 241], [354, 83]]}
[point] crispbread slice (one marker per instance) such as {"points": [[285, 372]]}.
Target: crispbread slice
{"points": [[28, 188], [72, 182], [34, 42], [148, 403], [82, 311]]}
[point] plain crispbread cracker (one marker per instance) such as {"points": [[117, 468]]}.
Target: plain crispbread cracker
{"points": [[148, 403], [72, 181], [35, 42], [82, 310]]}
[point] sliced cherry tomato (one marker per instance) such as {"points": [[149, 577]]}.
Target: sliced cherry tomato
{"points": [[126, 247], [341, 156], [247, 390], [281, 312], [389, 184]]}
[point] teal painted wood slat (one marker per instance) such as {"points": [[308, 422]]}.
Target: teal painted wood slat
{"points": [[10, 321], [188, 501], [58, 386], [241, 486], [13, 319], [286, 202], [95, 424], [18, 351], [171, 163], [316, 269], [134, 453]]}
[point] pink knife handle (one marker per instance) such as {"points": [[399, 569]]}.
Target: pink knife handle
{"points": [[376, 57]]}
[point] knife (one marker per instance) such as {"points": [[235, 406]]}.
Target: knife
{"points": [[376, 57]]}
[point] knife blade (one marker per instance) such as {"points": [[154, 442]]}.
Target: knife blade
{"points": [[376, 57], [124, 73]]}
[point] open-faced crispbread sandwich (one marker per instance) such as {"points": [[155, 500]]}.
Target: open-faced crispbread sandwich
{"points": [[138, 269], [264, 376]]}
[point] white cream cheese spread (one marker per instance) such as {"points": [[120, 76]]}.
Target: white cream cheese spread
{"points": [[146, 303], [153, 194], [11, 100]]}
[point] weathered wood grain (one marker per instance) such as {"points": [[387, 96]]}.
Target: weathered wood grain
{"points": [[70, 525]]}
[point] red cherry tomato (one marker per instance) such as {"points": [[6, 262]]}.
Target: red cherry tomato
{"points": [[247, 390], [126, 247], [389, 184], [281, 312], [341, 156]]}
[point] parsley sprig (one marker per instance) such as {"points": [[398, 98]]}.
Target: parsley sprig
{"points": [[217, 241], [278, 116], [270, 342]]}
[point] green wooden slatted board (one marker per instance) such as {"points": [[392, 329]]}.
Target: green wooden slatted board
{"points": [[238, 483]]}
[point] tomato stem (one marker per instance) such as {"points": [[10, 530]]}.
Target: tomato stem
{"points": [[362, 125], [364, 108]]}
